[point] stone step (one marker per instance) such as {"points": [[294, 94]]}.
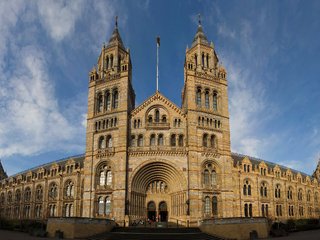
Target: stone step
{"points": [[155, 233]]}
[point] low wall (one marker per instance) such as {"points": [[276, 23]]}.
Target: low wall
{"points": [[78, 227], [236, 228]]}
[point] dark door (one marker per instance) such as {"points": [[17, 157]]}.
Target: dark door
{"points": [[163, 212], [152, 214]]}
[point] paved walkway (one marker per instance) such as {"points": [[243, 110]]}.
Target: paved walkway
{"points": [[11, 235], [309, 235]]}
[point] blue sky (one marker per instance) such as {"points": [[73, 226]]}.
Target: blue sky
{"points": [[271, 50]]}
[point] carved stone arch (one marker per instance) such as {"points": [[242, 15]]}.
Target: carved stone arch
{"points": [[217, 166], [157, 170], [162, 111]]}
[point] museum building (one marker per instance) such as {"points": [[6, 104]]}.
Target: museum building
{"points": [[158, 160]]}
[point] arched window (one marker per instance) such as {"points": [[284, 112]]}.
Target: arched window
{"points": [[215, 101], [2, 199], [27, 194], [212, 141], [111, 61], [133, 141], [207, 60], [53, 191], [206, 97], [100, 206], [289, 193], [196, 60], [164, 118], [308, 196], [109, 178], [101, 143], [205, 140], [198, 97], [202, 58], [157, 115], [213, 177], [115, 99], [247, 188], [263, 190], [107, 62], [206, 177], [149, 119], [152, 140], [140, 141], [18, 196], [277, 191], [207, 208], [102, 178], [39, 193], [108, 206], [246, 212], [160, 139], [9, 197], [173, 140], [300, 195], [214, 205], [109, 141], [180, 141], [107, 98], [99, 103], [69, 189]]}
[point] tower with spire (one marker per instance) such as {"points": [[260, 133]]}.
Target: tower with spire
{"points": [[205, 101], [110, 100]]}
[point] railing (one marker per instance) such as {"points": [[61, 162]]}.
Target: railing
{"points": [[157, 148]]}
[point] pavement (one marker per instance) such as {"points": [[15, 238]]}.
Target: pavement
{"points": [[309, 235]]}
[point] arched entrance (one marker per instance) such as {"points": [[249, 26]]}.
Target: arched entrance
{"points": [[163, 212], [151, 208], [157, 192]]}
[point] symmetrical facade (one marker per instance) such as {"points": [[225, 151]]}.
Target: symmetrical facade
{"points": [[157, 160]]}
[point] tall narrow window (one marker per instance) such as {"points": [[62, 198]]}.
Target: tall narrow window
{"points": [[206, 177], [152, 140], [173, 140], [196, 59], [108, 206], [214, 205], [206, 97], [111, 61], [107, 100], [100, 206], [213, 177], [109, 178], [246, 213], [157, 118], [180, 142], [140, 141], [160, 139], [215, 101], [207, 209], [133, 141], [101, 143], [202, 58], [107, 62], [250, 210], [198, 97], [102, 178], [205, 140], [207, 61], [99, 103], [109, 141], [212, 141], [115, 99]]}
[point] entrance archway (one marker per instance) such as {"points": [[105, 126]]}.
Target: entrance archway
{"points": [[157, 191], [163, 212], [152, 214]]}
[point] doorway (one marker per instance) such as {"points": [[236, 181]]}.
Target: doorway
{"points": [[163, 212], [152, 214]]}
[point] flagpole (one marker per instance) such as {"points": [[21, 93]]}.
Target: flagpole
{"points": [[158, 45]]}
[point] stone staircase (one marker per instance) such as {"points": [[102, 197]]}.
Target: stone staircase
{"points": [[131, 233]]}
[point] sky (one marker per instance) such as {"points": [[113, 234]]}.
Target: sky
{"points": [[270, 49]]}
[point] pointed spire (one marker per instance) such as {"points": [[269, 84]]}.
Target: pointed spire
{"points": [[3, 174], [200, 34], [115, 38]]}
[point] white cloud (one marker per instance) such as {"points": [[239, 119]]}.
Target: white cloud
{"points": [[59, 17]]}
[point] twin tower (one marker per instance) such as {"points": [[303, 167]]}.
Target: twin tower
{"points": [[158, 160]]}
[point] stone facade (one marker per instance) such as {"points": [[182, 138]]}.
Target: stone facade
{"points": [[157, 160]]}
